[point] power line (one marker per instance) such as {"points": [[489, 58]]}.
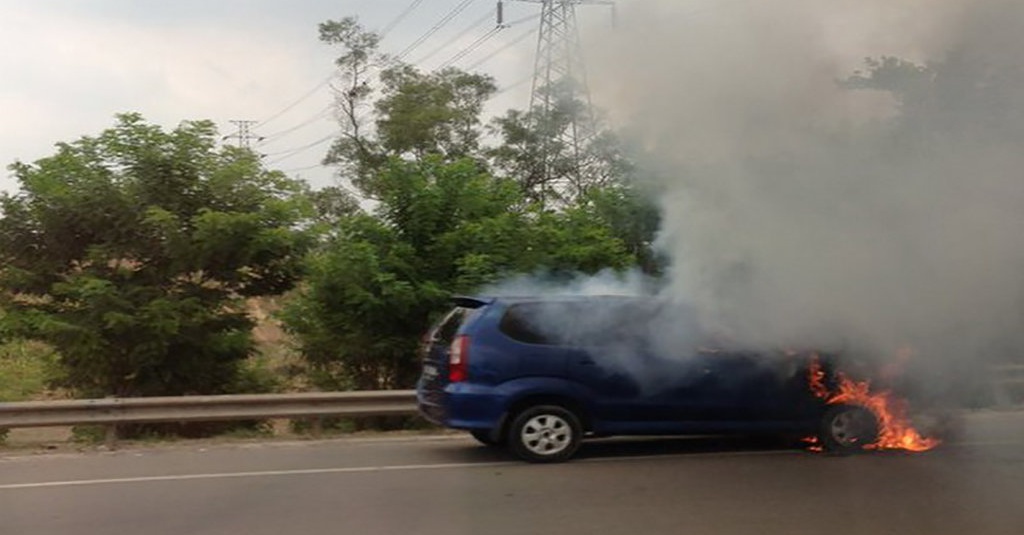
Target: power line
{"points": [[325, 112], [471, 48], [390, 26], [284, 155], [527, 18], [458, 36], [440, 24], [301, 99], [508, 88], [300, 169], [503, 48], [480, 42], [401, 16]]}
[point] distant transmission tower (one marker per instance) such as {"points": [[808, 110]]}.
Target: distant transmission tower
{"points": [[244, 134], [559, 80]]}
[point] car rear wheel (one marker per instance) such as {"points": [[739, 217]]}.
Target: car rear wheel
{"points": [[484, 437], [848, 428], [545, 434]]}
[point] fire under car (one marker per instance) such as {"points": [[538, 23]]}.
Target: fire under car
{"points": [[540, 374]]}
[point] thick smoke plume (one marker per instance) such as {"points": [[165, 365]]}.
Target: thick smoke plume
{"points": [[799, 209]]}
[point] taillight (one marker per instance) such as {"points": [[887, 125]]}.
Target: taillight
{"points": [[458, 359]]}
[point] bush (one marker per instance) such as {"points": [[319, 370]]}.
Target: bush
{"points": [[26, 368], [132, 253]]}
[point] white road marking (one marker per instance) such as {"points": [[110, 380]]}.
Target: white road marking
{"points": [[415, 467], [267, 473], [362, 469]]}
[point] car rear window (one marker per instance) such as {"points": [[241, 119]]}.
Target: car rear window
{"points": [[449, 325]]}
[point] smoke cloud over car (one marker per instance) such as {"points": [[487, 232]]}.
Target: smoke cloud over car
{"points": [[809, 197]]}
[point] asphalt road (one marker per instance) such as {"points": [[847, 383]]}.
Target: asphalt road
{"points": [[451, 486]]}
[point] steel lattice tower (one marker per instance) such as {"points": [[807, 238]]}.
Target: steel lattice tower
{"points": [[560, 80], [245, 136]]}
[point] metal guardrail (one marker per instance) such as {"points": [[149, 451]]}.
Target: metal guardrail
{"points": [[112, 412]]}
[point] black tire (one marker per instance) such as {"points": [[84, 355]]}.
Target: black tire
{"points": [[484, 437], [545, 434], [848, 429]]}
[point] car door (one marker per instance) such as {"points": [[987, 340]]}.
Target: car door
{"points": [[617, 393], [737, 386], [637, 386]]}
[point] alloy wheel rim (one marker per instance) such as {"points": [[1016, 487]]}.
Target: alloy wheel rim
{"points": [[546, 434]]}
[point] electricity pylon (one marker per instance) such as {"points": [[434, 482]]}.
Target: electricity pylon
{"points": [[244, 134], [560, 87]]}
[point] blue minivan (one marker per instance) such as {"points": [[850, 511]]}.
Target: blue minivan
{"points": [[539, 374]]}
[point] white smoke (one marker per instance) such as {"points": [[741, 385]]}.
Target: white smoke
{"points": [[606, 283], [794, 212]]}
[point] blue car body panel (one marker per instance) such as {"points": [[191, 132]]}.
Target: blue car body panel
{"points": [[653, 395]]}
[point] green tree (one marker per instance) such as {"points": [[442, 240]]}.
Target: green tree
{"points": [[390, 109], [965, 96], [441, 221], [355, 150], [439, 228], [432, 113], [630, 214], [535, 152], [131, 252]]}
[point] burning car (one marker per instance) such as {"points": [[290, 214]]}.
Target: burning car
{"points": [[539, 374]]}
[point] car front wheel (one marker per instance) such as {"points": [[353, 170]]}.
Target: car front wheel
{"points": [[848, 428], [545, 434]]}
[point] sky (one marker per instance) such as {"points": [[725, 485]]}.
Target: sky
{"points": [[69, 66]]}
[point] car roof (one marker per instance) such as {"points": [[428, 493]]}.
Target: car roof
{"points": [[479, 301]]}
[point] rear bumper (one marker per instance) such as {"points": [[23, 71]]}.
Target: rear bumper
{"points": [[430, 403], [432, 413], [462, 406]]}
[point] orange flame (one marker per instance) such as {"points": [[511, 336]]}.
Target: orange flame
{"points": [[895, 430], [816, 379], [813, 444]]}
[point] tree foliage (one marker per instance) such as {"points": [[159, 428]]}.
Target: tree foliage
{"points": [[449, 214], [130, 252], [391, 109], [440, 228], [433, 113], [961, 97]]}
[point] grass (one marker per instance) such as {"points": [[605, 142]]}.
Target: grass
{"points": [[25, 368]]}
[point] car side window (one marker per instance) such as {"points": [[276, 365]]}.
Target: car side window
{"points": [[573, 324], [520, 324]]}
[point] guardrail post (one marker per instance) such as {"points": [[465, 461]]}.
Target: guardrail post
{"points": [[317, 427], [110, 436]]}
